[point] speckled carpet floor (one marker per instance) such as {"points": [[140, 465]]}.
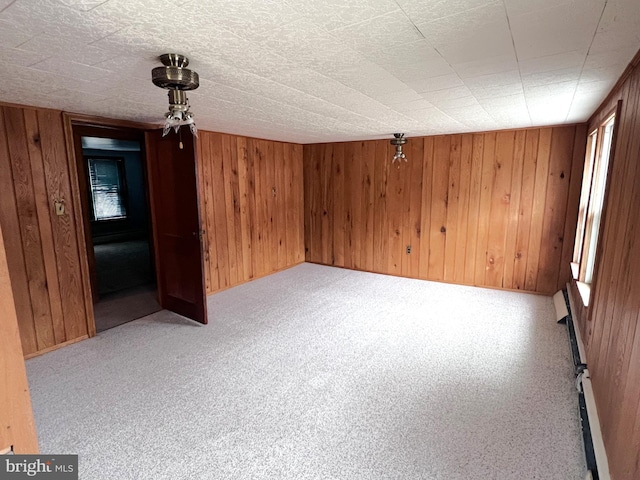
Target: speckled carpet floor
{"points": [[321, 373]]}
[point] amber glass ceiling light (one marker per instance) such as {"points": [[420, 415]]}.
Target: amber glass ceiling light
{"points": [[176, 78]]}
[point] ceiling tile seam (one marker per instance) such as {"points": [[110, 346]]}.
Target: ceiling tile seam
{"points": [[330, 33], [322, 118], [461, 12], [410, 20], [109, 34], [354, 24], [305, 93], [585, 58], [294, 106], [95, 6], [515, 52], [7, 6]]}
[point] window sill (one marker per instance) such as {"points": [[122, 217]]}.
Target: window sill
{"points": [[584, 289]]}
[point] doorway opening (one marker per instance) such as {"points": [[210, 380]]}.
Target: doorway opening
{"points": [[115, 198]]}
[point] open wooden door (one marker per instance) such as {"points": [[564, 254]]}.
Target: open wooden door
{"points": [[176, 222]]}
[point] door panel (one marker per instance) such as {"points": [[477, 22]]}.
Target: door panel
{"points": [[176, 223]]}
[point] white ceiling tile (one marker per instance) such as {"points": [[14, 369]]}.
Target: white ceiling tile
{"points": [[332, 14], [12, 35], [255, 20], [271, 68], [493, 79], [15, 56], [420, 11], [554, 62], [448, 93], [72, 70], [445, 104], [571, 74], [436, 83], [566, 27], [496, 91], [385, 31], [477, 34], [67, 49], [82, 5], [50, 16], [402, 96], [618, 27], [486, 66]]}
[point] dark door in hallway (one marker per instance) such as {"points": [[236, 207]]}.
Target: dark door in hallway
{"points": [[176, 221], [112, 180]]}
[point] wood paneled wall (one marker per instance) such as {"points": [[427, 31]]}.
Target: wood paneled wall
{"points": [[610, 326], [17, 428], [42, 248], [494, 209], [251, 207]]}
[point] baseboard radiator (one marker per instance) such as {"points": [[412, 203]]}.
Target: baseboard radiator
{"points": [[595, 454]]}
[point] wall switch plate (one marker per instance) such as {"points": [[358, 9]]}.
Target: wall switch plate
{"points": [[59, 207]]}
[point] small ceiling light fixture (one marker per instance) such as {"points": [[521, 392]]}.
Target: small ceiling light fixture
{"points": [[176, 78], [398, 141]]}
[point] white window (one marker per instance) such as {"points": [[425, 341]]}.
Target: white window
{"points": [[594, 182], [106, 178]]}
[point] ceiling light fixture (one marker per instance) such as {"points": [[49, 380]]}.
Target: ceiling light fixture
{"points": [[398, 141], [176, 78]]}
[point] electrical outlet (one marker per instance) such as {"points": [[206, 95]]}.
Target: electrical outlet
{"points": [[408, 249]]}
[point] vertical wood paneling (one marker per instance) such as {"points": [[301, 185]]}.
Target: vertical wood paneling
{"points": [[42, 248], [503, 166], [610, 326], [251, 206], [484, 209], [17, 428]]}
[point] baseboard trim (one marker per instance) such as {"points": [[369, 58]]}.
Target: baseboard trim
{"points": [[55, 347], [594, 443]]}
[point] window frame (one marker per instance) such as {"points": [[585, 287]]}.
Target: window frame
{"points": [[124, 196], [589, 232]]}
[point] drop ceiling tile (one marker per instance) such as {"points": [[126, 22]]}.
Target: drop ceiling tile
{"points": [[448, 93], [72, 70], [477, 34], [412, 61], [333, 14], [50, 16], [67, 49], [471, 115], [385, 31], [15, 56], [510, 102], [493, 79], [413, 106], [554, 62], [563, 75], [402, 96], [445, 104], [420, 11], [431, 84], [254, 20], [433, 118], [12, 35], [602, 73], [562, 28], [496, 91], [486, 66], [82, 5], [521, 7]]}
